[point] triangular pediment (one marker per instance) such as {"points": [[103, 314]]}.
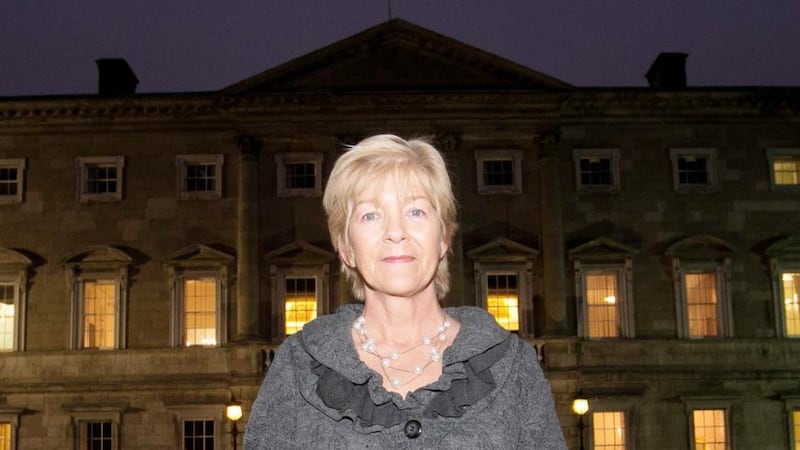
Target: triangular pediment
{"points": [[602, 248], [299, 252], [100, 255], [396, 56], [198, 255], [502, 249]]}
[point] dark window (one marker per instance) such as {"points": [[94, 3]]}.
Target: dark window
{"points": [[101, 180], [8, 181], [498, 172], [596, 172], [201, 177], [692, 170], [300, 176], [98, 436], [198, 435]]}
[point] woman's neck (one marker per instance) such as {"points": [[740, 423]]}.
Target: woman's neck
{"points": [[401, 321]]}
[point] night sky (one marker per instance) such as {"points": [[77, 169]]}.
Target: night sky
{"points": [[48, 47]]}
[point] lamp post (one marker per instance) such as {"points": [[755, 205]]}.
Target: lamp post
{"points": [[580, 406], [233, 412]]}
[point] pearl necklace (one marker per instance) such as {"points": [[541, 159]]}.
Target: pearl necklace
{"points": [[435, 342]]}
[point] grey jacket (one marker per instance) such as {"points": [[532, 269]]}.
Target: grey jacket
{"points": [[319, 395]]}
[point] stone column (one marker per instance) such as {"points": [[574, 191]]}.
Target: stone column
{"points": [[555, 306], [248, 315]]}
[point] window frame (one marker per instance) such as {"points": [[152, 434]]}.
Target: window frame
{"points": [[283, 160], [784, 256], [298, 272], [513, 155], [14, 268], [503, 256], [712, 170], [182, 412], [612, 154], [194, 262], [624, 311], [81, 415], [791, 404], [98, 262], [11, 416], [702, 403], [774, 155], [84, 163], [183, 161], [702, 253], [20, 165]]}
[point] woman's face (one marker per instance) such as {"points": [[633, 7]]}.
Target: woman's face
{"points": [[395, 239]]}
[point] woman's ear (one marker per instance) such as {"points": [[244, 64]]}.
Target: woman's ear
{"points": [[345, 255], [443, 247]]}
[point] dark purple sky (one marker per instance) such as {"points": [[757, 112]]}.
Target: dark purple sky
{"points": [[49, 46]]}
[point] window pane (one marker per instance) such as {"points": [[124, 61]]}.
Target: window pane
{"points": [[5, 436], [787, 171], [502, 300], [692, 170], [300, 176], [608, 430], [595, 171], [98, 435], [198, 434], [701, 304], [201, 177], [796, 427], [98, 313], [8, 181], [101, 180], [498, 172], [709, 429], [601, 304], [200, 311], [301, 303], [7, 316], [791, 304]]}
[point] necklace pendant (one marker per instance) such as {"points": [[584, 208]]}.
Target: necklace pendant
{"points": [[396, 382], [386, 362], [417, 370]]}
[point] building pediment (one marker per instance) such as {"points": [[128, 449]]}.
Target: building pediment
{"points": [[97, 256], [700, 247], [299, 252], [396, 55], [788, 247]]}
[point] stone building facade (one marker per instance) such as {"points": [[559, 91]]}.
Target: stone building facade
{"points": [[156, 248]]}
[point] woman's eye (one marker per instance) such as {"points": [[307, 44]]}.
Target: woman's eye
{"points": [[416, 212], [369, 216]]}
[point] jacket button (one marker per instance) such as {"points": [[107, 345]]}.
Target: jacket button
{"points": [[413, 429]]}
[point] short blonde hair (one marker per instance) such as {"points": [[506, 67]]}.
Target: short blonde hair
{"points": [[374, 159]]}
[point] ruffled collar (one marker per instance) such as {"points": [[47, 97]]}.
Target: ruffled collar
{"points": [[344, 387]]}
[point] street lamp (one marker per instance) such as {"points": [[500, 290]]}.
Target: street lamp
{"points": [[580, 406], [233, 412]]}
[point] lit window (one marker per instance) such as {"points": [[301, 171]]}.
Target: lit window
{"points": [[596, 170], [701, 304], [784, 167], [100, 178], [99, 279], [200, 311], [710, 429], [12, 172], [98, 436], [795, 429], [300, 303], [199, 280], [8, 319], [608, 430], [790, 283], [98, 313], [198, 434], [694, 170], [199, 176], [602, 295], [702, 267], [5, 436], [299, 174], [502, 300], [499, 171]]}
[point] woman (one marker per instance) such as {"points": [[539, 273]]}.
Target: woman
{"points": [[400, 371]]}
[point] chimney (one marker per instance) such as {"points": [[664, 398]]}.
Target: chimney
{"points": [[668, 71], [115, 77]]}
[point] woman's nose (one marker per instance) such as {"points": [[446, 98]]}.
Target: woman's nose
{"points": [[395, 229]]}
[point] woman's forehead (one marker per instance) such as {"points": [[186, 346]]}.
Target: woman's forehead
{"points": [[404, 186]]}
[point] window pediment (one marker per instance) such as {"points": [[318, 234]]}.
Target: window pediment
{"points": [[502, 249], [12, 259], [703, 247], [786, 248], [602, 248], [299, 252], [198, 255], [101, 256]]}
